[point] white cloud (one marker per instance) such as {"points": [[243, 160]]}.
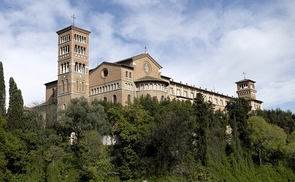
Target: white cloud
{"points": [[204, 46]]}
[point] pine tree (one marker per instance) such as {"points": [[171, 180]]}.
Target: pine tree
{"points": [[15, 109], [2, 91]]}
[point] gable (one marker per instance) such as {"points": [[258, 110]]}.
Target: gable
{"points": [[107, 72], [145, 65]]}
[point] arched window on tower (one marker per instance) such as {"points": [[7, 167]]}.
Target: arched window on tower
{"points": [[129, 99], [67, 86], [83, 87], [114, 98], [77, 86], [63, 86]]}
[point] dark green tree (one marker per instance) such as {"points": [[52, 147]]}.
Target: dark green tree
{"points": [[283, 119], [150, 104], [132, 124], [2, 91], [81, 116], [204, 119], [15, 110], [238, 111], [169, 143], [12, 153]]}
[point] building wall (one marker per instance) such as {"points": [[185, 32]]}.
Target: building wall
{"points": [[124, 80], [51, 91]]}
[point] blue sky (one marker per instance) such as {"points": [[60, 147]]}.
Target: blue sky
{"points": [[207, 43]]}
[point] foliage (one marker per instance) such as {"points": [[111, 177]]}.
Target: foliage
{"points": [[81, 116], [204, 117], [132, 125], [169, 140], [2, 92], [267, 139], [278, 117], [15, 110]]}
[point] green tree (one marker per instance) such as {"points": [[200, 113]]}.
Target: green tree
{"points": [[204, 119], [2, 92], [283, 119], [238, 110], [291, 150], [15, 110], [268, 139], [12, 153], [94, 157], [132, 124], [150, 104], [169, 143], [81, 116]]}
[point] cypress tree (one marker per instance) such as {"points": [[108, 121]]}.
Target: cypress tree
{"points": [[203, 112], [15, 109], [2, 92]]}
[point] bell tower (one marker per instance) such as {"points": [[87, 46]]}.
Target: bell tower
{"points": [[246, 89], [73, 64]]}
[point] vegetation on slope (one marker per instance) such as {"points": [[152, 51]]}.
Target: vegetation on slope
{"points": [[160, 141]]}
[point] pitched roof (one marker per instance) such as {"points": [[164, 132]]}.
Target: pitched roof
{"points": [[127, 60], [245, 80]]}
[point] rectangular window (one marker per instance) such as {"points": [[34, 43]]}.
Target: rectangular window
{"points": [[185, 93]]}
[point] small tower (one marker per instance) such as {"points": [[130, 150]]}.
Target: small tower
{"points": [[73, 64], [246, 89]]}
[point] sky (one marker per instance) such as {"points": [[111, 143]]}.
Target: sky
{"points": [[206, 43]]}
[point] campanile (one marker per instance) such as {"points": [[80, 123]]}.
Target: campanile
{"points": [[73, 64]]}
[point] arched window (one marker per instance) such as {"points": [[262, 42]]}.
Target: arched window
{"points": [[77, 85], [114, 98], [162, 98], [129, 99], [83, 86], [129, 74], [105, 99], [67, 85], [126, 74], [63, 86]]}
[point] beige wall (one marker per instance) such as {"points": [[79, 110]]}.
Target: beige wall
{"points": [[127, 79], [51, 91]]}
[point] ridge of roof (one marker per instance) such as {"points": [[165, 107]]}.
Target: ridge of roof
{"points": [[245, 80], [138, 56]]}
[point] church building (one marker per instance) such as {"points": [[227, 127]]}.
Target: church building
{"points": [[124, 80]]}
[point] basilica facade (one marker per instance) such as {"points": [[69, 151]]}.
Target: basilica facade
{"points": [[124, 80]]}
